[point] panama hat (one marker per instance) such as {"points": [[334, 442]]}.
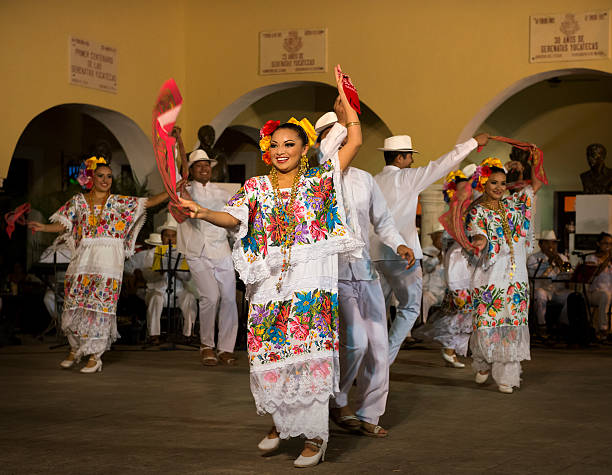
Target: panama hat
{"points": [[438, 228], [398, 143], [169, 224], [199, 155], [469, 170], [154, 239], [548, 235], [326, 120]]}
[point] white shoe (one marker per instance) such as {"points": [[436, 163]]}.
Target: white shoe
{"points": [[68, 363], [268, 445], [303, 462], [93, 369], [481, 378], [505, 389], [452, 360]]}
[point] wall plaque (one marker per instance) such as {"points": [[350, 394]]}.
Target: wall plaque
{"points": [[93, 65], [569, 36], [293, 51]]}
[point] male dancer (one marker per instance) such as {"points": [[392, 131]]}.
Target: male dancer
{"points": [[363, 322], [401, 186], [210, 262]]}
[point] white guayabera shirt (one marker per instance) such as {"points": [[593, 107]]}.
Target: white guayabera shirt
{"points": [[401, 188]]}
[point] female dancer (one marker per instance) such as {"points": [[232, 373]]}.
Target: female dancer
{"points": [[451, 326], [290, 229], [501, 228], [100, 229]]}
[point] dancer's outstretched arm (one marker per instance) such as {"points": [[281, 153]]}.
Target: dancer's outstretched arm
{"points": [[218, 218], [35, 226], [156, 199], [352, 124]]}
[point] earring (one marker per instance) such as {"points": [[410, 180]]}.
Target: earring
{"points": [[303, 164]]}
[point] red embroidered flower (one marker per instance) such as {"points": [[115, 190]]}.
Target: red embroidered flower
{"points": [[486, 171]]}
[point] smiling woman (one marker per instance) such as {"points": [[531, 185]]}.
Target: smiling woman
{"points": [[502, 230], [290, 228], [100, 229]]}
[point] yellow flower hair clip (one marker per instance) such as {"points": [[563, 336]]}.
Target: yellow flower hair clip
{"points": [[308, 128], [483, 172], [92, 162]]}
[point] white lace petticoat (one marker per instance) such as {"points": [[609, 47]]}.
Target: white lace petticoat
{"points": [[501, 344], [95, 331], [297, 395]]}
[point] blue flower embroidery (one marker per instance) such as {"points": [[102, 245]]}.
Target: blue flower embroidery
{"points": [[305, 302]]}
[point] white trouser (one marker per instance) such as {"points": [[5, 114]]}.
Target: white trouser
{"points": [[156, 301], [407, 285], [216, 283], [543, 296], [602, 299], [364, 348]]}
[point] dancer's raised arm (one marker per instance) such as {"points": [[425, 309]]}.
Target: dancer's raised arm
{"points": [[348, 117], [218, 218]]}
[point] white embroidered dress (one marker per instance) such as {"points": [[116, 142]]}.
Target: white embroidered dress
{"points": [[93, 279], [293, 333], [451, 326]]}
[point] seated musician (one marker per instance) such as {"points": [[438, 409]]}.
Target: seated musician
{"points": [[600, 290], [152, 262], [545, 268]]}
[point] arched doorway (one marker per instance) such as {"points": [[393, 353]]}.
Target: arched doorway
{"points": [[562, 111], [52, 146], [237, 125]]}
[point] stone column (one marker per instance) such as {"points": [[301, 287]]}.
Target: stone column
{"points": [[432, 207]]}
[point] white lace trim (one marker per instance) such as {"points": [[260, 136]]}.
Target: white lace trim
{"points": [[259, 270], [451, 331], [258, 295], [65, 238], [140, 217], [95, 331], [310, 421], [104, 256], [501, 344], [295, 383]]}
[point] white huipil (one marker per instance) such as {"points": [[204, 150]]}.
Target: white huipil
{"points": [[156, 296], [99, 241], [209, 257], [401, 188], [364, 343], [500, 287], [292, 330], [451, 326]]}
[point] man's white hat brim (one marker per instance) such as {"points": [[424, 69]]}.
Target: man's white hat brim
{"points": [[200, 155]]}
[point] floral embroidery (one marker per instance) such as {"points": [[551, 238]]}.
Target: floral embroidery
{"points": [[305, 324], [489, 301], [316, 212], [91, 292], [487, 222], [115, 220], [97, 292]]}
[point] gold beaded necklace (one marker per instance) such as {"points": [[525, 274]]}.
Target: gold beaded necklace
{"points": [[95, 218], [288, 231], [499, 209]]}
